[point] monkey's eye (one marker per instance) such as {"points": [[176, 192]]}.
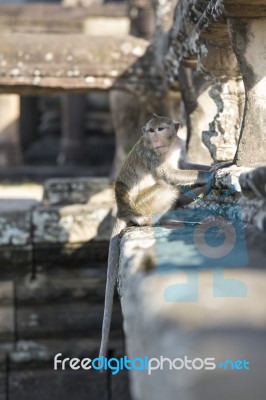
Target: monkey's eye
{"points": [[151, 130], [160, 128]]}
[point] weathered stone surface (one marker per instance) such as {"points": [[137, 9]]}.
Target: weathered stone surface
{"points": [[228, 178], [31, 369], [3, 378], [63, 62], [200, 37], [200, 110], [71, 224], [45, 289], [218, 62], [14, 227], [66, 254], [15, 258], [30, 233], [173, 309], [40, 353], [15, 230], [7, 312], [47, 383], [54, 18], [142, 22], [247, 36], [120, 386], [78, 190], [10, 149], [78, 319], [254, 182]]}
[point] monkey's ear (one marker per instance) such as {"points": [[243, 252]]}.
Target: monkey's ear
{"points": [[176, 125], [154, 115]]}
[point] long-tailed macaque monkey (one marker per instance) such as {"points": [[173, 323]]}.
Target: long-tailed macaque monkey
{"points": [[149, 182]]}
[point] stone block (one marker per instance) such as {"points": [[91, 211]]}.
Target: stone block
{"points": [[15, 231], [7, 313], [49, 384], [76, 319], [200, 318], [71, 224], [77, 190], [3, 378]]}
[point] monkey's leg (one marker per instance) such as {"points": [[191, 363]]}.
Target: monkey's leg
{"points": [[157, 198]]}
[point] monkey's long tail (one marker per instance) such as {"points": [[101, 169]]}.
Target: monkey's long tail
{"points": [[113, 260]]}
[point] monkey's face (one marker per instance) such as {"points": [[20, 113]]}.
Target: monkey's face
{"points": [[160, 133]]}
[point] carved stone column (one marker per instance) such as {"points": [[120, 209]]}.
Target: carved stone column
{"points": [[10, 149], [248, 37], [141, 18], [73, 109], [80, 3], [218, 62], [200, 110], [132, 108]]}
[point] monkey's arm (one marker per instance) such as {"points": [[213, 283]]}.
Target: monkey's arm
{"points": [[201, 167], [190, 166], [187, 197], [220, 165], [182, 177]]}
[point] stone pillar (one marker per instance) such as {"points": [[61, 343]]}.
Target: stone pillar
{"points": [[200, 110], [141, 15], [29, 120], [10, 149], [218, 62], [79, 3], [248, 37], [73, 109]]}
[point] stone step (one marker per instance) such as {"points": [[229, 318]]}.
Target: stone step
{"points": [[3, 376], [59, 289], [54, 307], [73, 223], [78, 190], [31, 372], [73, 320], [7, 312]]}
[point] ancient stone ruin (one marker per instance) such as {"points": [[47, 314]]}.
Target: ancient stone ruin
{"points": [[194, 289]]}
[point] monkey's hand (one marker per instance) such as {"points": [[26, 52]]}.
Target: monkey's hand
{"points": [[221, 165]]}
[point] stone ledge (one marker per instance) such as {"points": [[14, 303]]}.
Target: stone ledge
{"points": [[220, 327], [78, 190], [74, 222], [71, 224]]}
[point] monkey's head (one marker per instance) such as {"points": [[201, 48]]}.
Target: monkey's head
{"points": [[160, 133]]}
